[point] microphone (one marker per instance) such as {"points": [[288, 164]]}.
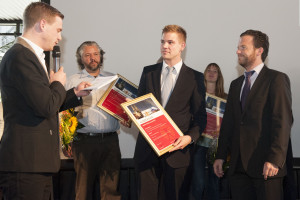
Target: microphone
{"points": [[56, 58]]}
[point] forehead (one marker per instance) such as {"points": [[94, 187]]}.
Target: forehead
{"points": [[90, 49], [246, 40], [170, 36], [212, 67], [56, 21]]}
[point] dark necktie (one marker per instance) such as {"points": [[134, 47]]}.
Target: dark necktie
{"points": [[246, 88]]}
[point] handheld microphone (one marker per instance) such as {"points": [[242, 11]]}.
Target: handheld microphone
{"points": [[56, 58]]}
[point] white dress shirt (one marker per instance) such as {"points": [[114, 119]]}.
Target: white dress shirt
{"points": [[256, 70], [90, 115]]}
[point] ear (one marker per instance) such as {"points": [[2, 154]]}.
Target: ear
{"points": [[183, 46], [42, 24], [260, 51]]}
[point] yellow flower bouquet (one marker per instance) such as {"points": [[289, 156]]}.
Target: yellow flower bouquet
{"points": [[67, 129]]}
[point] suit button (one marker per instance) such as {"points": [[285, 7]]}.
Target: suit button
{"points": [[50, 132]]}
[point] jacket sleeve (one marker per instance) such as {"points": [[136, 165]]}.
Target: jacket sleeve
{"points": [[281, 119]]}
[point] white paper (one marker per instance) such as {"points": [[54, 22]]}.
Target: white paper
{"points": [[99, 82]]}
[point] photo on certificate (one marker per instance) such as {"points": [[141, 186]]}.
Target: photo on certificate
{"points": [[215, 108], [153, 122], [117, 93]]}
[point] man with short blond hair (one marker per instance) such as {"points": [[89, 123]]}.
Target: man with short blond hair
{"points": [[181, 92]]}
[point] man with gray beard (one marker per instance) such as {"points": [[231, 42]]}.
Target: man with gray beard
{"points": [[96, 148]]}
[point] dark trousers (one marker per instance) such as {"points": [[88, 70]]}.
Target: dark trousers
{"points": [[97, 158], [25, 186], [244, 187], [162, 182]]}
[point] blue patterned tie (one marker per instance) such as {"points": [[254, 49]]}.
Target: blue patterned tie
{"points": [[246, 88]]}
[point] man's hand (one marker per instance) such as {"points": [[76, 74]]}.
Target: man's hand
{"points": [[269, 170], [81, 93], [126, 123], [181, 142], [59, 76], [129, 122], [218, 167]]}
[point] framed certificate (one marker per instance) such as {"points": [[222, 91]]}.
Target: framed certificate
{"points": [[117, 93], [153, 122], [215, 108]]}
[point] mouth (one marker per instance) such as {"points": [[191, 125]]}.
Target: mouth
{"points": [[93, 63]]}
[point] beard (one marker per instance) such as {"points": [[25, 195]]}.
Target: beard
{"points": [[92, 67], [246, 61]]}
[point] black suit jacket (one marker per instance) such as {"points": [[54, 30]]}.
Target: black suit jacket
{"points": [[30, 141], [261, 133], [186, 107]]}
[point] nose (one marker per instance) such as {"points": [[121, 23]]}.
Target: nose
{"points": [[164, 45], [92, 57], [59, 36]]}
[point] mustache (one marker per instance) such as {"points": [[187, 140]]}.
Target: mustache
{"points": [[93, 61]]}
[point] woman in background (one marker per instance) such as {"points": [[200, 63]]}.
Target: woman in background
{"points": [[206, 147]]}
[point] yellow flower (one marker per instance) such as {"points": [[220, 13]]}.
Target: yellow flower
{"points": [[74, 123], [67, 127]]}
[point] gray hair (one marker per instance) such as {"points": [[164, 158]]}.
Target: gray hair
{"points": [[79, 53]]}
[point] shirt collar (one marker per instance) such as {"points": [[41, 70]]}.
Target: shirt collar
{"points": [[84, 73], [38, 50], [256, 69], [176, 66]]}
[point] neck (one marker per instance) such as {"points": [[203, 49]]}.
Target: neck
{"points": [[211, 88], [252, 66], [33, 37], [93, 73], [172, 62]]}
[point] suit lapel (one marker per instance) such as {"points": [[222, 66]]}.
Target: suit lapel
{"points": [[257, 84], [25, 44], [238, 92], [156, 76], [181, 80]]}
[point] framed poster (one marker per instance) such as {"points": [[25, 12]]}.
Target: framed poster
{"points": [[215, 108], [117, 93], [154, 123]]}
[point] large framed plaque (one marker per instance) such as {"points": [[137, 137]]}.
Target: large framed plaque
{"points": [[117, 93], [154, 123], [215, 108]]}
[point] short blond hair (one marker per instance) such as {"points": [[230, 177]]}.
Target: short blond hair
{"points": [[176, 29], [37, 11]]}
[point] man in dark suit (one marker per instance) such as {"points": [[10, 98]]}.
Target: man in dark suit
{"points": [[256, 127], [168, 176], [29, 149]]}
